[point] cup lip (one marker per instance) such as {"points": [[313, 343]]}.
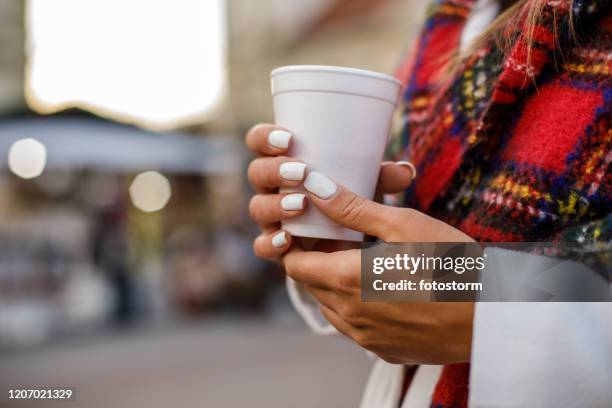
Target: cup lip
{"points": [[334, 69]]}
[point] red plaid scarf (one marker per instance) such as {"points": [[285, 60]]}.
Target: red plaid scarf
{"points": [[512, 149]]}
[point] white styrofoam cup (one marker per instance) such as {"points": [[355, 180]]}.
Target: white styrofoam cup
{"points": [[340, 120]]}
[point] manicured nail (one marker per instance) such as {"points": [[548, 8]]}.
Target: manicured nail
{"points": [[292, 171], [409, 166], [320, 185], [280, 239], [279, 138], [293, 202]]}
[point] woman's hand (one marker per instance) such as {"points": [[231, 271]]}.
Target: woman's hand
{"points": [[273, 169], [407, 333], [434, 333]]}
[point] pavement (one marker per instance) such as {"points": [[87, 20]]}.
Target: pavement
{"points": [[228, 363]]}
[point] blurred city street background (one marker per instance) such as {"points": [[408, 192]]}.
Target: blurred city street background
{"points": [[126, 268], [233, 363]]}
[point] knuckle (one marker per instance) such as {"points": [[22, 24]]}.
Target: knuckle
{"points": [[351, 210], [261, 212], [269, 172], [349, 312], [249, 134], [254, 131], [290, 266], [363, 339], [263, 172], [251, 170], [272, 168], [290, 270], [253, 204], [250, 139], [346, 281], [257, 248], [355, 317]]}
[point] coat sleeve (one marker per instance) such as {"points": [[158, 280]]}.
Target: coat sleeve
{"points": [[308, 308], [545, 354], [541, 355]]}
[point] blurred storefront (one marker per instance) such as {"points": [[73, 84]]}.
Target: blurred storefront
{"points": [[121, 224], [123, 193], [123, 196]]}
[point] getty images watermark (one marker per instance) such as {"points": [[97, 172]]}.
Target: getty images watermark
{"points": [[493, 272]]}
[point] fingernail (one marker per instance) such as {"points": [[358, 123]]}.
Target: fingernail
{"points": [[320, 185], [292, 171], [279, 138], [293, 202], [408, 165], [279, 240]]}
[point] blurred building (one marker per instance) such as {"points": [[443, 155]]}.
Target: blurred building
{"points": [[123, 197], [78, 247], [12, 56], [368, 34]]}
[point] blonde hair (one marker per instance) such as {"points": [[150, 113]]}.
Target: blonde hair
{"points": [[502, 31]]}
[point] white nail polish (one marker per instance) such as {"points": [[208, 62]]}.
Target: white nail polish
{"points": [[292, 171], [280, 239], [293, 202], [279, 138], [320, 185], [409, 166]]}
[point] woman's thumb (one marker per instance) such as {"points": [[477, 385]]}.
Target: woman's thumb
{"points": [[347, 208]]}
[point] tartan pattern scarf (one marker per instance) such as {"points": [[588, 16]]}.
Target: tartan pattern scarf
{"points": [[513, 148]]}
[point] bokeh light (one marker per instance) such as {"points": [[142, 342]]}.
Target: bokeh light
{"points": [[27, 158], [150, 191]]}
